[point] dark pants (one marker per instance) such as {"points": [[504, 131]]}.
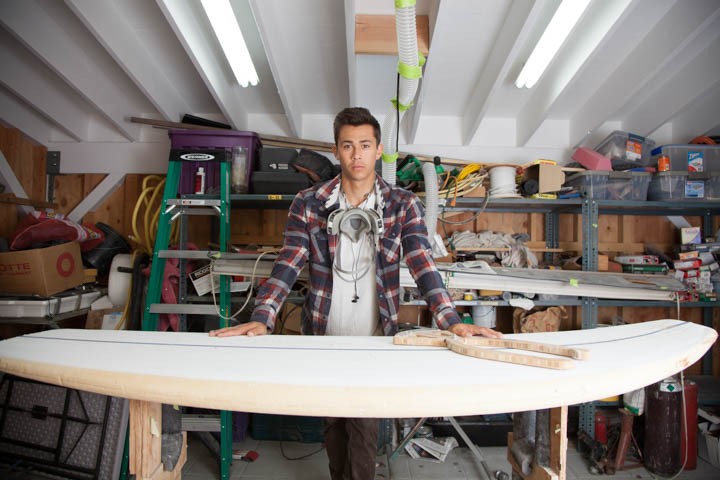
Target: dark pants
{"points": [[351, 445]]}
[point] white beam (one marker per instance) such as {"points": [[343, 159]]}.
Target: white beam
{"points": [[577, 49], [696, 72], [36, 85], [56, 37], [113, 157], [13, 185], [644, 65], [108, 22], [103, 190], [275, 52], [198, 39], [513, 34], [350, 49], [24, 118], [698, 118]]}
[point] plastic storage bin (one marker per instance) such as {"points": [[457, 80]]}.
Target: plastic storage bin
{"points": [[712, 186], [683, 185], [602, 185], [626, 150], [243, 147], [691, 158]]}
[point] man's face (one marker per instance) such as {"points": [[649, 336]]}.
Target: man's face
{"points": [[357, 150]]}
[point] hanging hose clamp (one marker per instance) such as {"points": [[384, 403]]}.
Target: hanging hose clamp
{"points": [[400, 106], [411, 72], [389, 157]]}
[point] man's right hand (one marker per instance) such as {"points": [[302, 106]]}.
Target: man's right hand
{"points": [[250, 329]]}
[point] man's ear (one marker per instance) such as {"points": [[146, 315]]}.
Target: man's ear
{"points": [[379, 151], [335, 152]]}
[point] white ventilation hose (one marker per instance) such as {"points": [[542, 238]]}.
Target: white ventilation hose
{"points": [[431, 199], [408, 67]]}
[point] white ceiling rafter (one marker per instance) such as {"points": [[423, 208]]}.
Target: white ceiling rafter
{"points": [[696, 73], [17, 115], [435, 61], [74, 71], [69, 50], [643, 65], [35, 84], [350, 48], [263, 12], [512, 36], [697, 118], [106, 21], [199, 42], [578, 49], [628, 32]]}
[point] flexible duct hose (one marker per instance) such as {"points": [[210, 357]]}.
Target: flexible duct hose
{"points": [[431, 199], [408, 67]]}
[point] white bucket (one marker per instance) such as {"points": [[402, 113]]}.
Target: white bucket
{"points": [[484, 315]]}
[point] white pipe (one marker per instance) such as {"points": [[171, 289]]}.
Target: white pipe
{"points": [[407, 55], [431, 200]]}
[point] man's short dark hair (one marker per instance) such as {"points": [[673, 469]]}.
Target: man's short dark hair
{"points": [[356, 116]]}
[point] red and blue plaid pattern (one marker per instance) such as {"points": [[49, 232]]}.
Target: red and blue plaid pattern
{"points": [[307, 240]]}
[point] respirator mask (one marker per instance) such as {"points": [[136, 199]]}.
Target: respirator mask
{"points": [[357, 224], [354, 222]]}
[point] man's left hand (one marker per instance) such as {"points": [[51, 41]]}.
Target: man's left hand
{"points": [[468, 330]]}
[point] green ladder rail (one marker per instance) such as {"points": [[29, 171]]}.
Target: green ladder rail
{"points": [[171, 208]]}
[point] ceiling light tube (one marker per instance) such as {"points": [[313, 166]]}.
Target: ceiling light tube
{"points": [[222, 18], [565, 18]]}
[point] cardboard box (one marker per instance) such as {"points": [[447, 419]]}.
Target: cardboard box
{"points": [[41, 271], [550, 177], [690, 235]]}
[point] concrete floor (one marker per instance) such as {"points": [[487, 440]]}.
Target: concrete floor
{"points": [[460, 464], [272, 464]]}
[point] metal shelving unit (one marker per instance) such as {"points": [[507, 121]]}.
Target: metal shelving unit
{"points": [[590, 211]]}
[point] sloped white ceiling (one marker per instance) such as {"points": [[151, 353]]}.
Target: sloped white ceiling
{"points": [[74, 72]]}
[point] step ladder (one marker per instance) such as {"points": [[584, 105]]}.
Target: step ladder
{"points": [[171, 209]]}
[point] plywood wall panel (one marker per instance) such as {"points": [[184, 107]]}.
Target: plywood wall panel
{"points": [[68, 192], [27, 160]]}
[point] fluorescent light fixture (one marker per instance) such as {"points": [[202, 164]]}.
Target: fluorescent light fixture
{"points": [[565, 18], [222, 18]]}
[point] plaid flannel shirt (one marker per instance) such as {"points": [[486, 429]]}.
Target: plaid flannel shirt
{"points": [[307, 241]]}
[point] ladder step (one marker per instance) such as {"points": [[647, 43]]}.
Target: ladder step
{"points": [[200, 423], [180, 308], [189, 254], [194, 202]]}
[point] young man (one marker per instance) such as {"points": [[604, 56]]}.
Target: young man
{"points": [[353, 231]]}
